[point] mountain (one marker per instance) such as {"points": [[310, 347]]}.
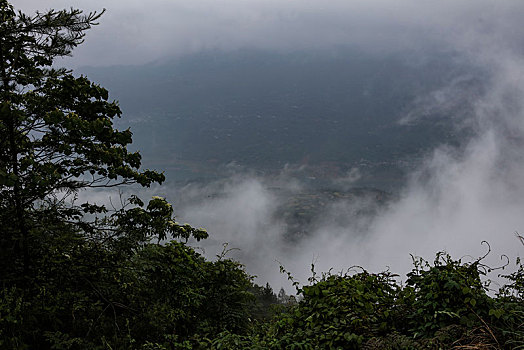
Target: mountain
{"points": [[327, 112]]}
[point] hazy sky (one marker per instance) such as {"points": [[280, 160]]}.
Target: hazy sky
{"points": [[135, 31]]}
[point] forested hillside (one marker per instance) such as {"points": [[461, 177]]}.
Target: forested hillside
{"points": [[325, 111], [83, 275]]}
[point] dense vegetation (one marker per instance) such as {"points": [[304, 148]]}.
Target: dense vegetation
{"points": [[81, 275]]}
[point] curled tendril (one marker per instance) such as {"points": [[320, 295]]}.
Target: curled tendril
{"points": [[353, 269], [488, 269], [501, 267], [467, 256], [487, 253]]}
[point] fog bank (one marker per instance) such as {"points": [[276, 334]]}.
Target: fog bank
{"points": [[457, 198]]}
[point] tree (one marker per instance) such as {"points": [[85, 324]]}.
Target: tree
{"points": [[69, 271], [58, 138]]}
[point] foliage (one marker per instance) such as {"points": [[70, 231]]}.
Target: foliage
{"points": [[266, 302], [446, 293], [340, 311], [442, 305], [509, 308], [58, 138], [87, 297]]}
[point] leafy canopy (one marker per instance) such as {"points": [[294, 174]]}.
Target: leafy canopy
{"points": [[58, 138]]}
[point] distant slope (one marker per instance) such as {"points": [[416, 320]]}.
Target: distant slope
{"points": [[263, 110]]}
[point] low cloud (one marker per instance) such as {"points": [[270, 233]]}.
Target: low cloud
{"points": [[453, 202], [136, 32]]}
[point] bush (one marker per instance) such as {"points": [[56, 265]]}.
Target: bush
{"points": [[340, 311], [447, 293]]}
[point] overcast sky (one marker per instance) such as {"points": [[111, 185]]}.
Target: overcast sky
{"points": [[134, 32]]}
